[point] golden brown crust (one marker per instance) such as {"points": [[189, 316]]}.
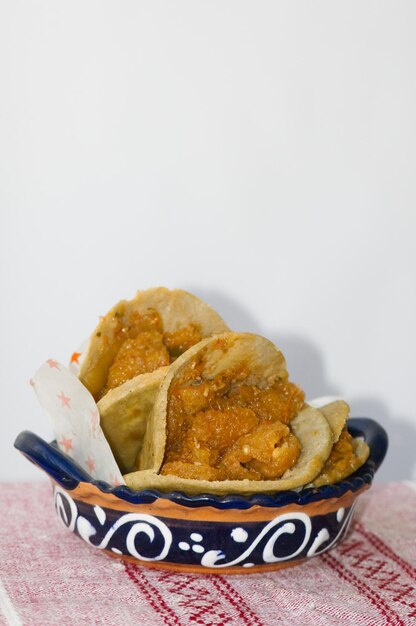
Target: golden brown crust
{"points": [[124, 412], [176, 307], [336, 413], [309, 426], [265, 365], [361, 454], [223, 352]]}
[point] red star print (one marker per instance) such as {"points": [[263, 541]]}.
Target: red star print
{"points": [[52, 363], [90, 463], [64, 399], [66, 443], [75, 357], [115, 482]]}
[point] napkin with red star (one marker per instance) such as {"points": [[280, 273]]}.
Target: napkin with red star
{"points": [[76, 421]]}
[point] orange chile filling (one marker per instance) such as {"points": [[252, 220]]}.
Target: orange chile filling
{"points": [[218, 429], [341, 462], [223, 429], [144, 347]]}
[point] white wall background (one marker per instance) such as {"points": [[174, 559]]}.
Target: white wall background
{"points": [[260, 154]]}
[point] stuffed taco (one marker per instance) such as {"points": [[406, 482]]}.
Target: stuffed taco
{"points": [[129, 354], [226, 419], [347, 454]]}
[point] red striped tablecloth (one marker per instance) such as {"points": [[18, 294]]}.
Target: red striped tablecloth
{"points": [[49, 577]]}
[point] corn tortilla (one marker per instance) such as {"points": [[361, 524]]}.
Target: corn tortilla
{"points": [[123, 415], [124, 410], [265, 365], [176, 308]]}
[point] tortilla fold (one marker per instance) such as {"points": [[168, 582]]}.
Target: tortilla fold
{"points": [[336, 413], [176, 307], [124, 410], [264, 365]]}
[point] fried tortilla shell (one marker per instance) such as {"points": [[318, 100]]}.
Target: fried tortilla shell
{"points": [[347, 454], [360, 454], [177, 308], [123, 415], [219, 354], [124, 409], [336, 413], [314, 434], [263, 365]]}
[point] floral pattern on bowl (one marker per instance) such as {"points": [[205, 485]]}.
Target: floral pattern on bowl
{"points": [[205, 533]]}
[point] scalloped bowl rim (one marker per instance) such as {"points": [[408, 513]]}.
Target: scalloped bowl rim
{"points": [[367, 428]]}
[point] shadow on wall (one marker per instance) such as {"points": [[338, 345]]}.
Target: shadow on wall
{"points": [[304, 361], [307, 368], [232, 312]]}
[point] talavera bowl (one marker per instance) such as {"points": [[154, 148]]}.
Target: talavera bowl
{"points": [[205, 533]]}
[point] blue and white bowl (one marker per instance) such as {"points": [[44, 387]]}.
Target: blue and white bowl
{"points": [[205, 533]]}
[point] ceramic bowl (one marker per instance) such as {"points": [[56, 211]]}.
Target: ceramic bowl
{"points": [[205, 533]]}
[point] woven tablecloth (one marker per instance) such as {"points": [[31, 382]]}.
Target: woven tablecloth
{"points": [[48, 576]]}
